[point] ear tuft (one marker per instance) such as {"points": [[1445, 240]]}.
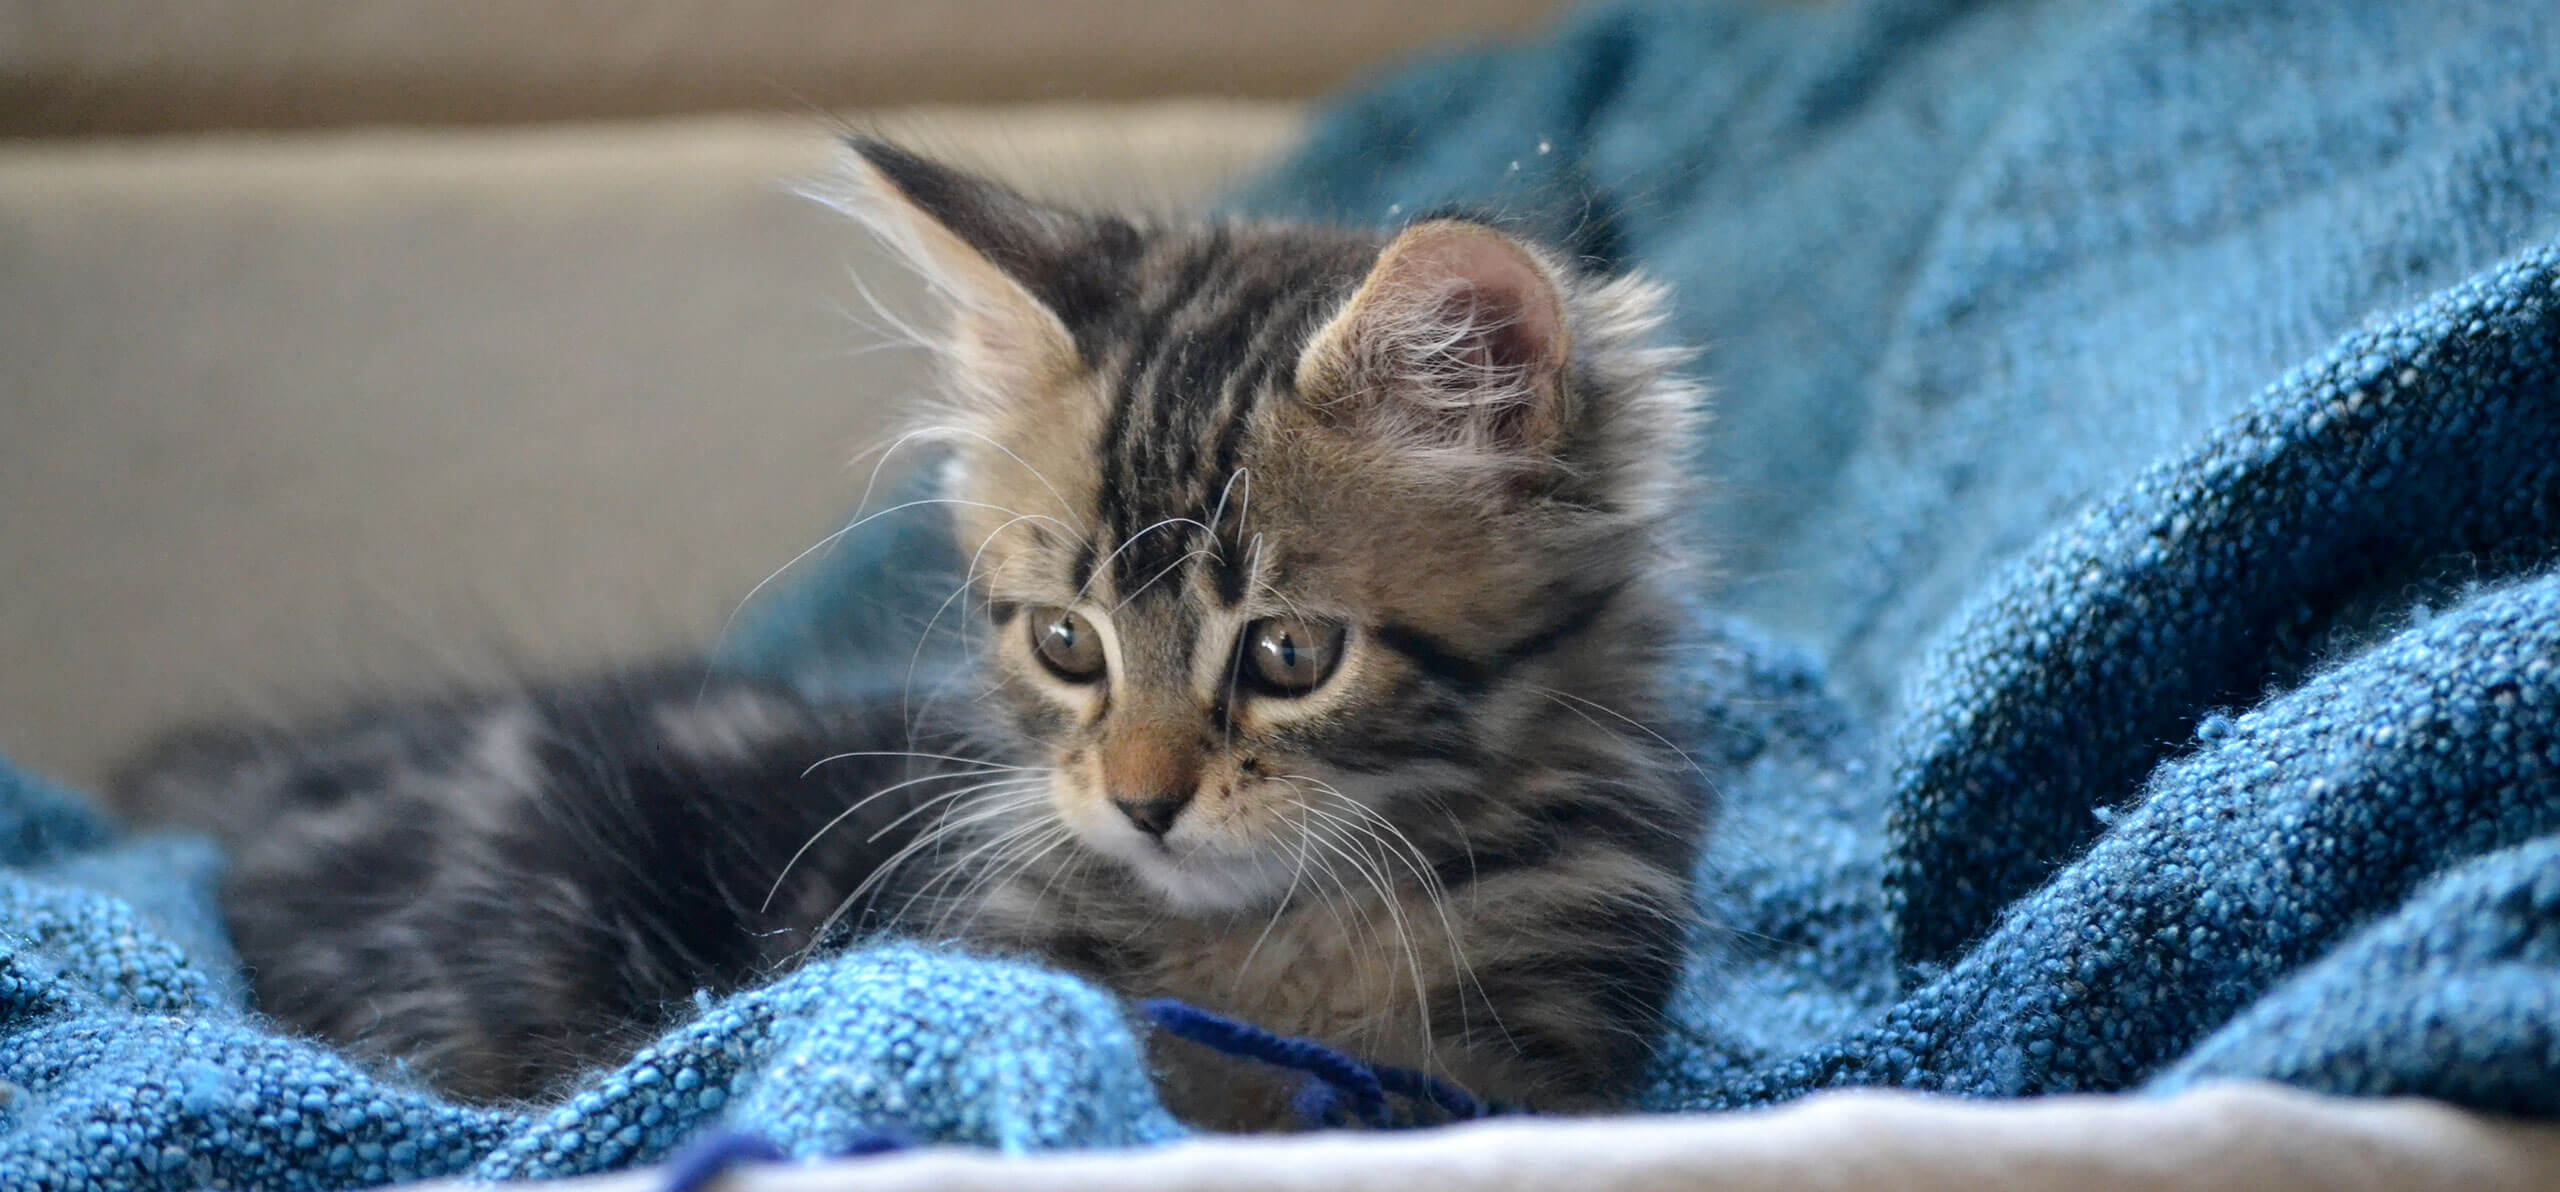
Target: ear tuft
{"points": [[1458, 339], [1029, 241], [993, 254]]}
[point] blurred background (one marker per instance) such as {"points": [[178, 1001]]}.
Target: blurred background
{"points": [[352, 344]]}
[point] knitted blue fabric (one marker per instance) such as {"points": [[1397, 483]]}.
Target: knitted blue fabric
{"points": [[2138, 474]]}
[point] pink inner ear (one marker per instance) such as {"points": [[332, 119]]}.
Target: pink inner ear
{"points": [[1475, 279], [1506, 335], [1458, 341]]}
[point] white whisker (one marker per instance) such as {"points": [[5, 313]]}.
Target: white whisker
{"points": [[1169, 569], [1425, 876], [982, 766], [983, 860], [1103, 566], [1561, 696], [858, 805], [731, 621], [1279, 909], [924, 637], [1373, 875], [942, 828]]}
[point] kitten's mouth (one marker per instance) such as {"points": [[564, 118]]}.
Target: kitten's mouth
{"points": [[1196, 879], [1193, 869]]}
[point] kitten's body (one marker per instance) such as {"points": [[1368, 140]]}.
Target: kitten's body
{"points": [[1324, 584]]}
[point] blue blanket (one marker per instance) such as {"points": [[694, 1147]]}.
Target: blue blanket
{"points": [[2137, 660]]}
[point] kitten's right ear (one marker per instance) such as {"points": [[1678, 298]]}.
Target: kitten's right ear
{"points": [[997, 256]]}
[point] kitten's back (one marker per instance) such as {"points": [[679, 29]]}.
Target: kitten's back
{"points": [[504, 888]]}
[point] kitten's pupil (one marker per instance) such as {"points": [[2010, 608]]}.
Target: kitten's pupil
{"points": [[1066, 644], [1293, 655]]}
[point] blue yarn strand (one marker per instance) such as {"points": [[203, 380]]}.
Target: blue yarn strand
{"points": [[719, 1152], [1342, 1089], [716, 1154]]}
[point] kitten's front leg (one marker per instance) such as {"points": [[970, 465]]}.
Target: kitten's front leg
{"points": [[1215, 1091]]}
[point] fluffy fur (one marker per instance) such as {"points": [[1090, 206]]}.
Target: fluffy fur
{"points": [[1460, 849]]}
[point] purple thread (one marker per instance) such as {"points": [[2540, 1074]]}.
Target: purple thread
{"points": [[715, 1154], [1343, 1089]]}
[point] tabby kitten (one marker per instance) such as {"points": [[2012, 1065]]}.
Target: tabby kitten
{"points": [[1324, 581]]}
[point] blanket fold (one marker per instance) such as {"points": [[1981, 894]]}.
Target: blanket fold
{"points": [[2420, 451]]}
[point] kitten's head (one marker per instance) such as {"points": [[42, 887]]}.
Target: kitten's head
{"points": [[1280, 529]]}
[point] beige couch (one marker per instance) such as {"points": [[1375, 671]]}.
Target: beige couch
{"points": [[351, 343], [288, 415]]}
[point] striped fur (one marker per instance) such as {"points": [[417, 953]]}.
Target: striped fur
{"points": [[1466, 852], [1463, 850]]}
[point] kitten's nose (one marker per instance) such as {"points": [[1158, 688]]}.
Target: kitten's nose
{"points": [[1151, 767], [1154, 816]]}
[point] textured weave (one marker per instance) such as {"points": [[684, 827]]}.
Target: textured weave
{"points": [[2137, 663], [126, 1060]]}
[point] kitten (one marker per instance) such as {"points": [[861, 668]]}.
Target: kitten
{"points": [[1325, 577]]}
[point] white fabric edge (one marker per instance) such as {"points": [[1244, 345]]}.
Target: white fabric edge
{"points": [[2230, 1136]]}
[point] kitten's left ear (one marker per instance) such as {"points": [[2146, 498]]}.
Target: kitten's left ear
{"points": [[1458, 339], [1003, 260]]}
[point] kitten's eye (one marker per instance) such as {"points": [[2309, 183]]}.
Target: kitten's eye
{"points": [[1292, 655], [1066, 644]]}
